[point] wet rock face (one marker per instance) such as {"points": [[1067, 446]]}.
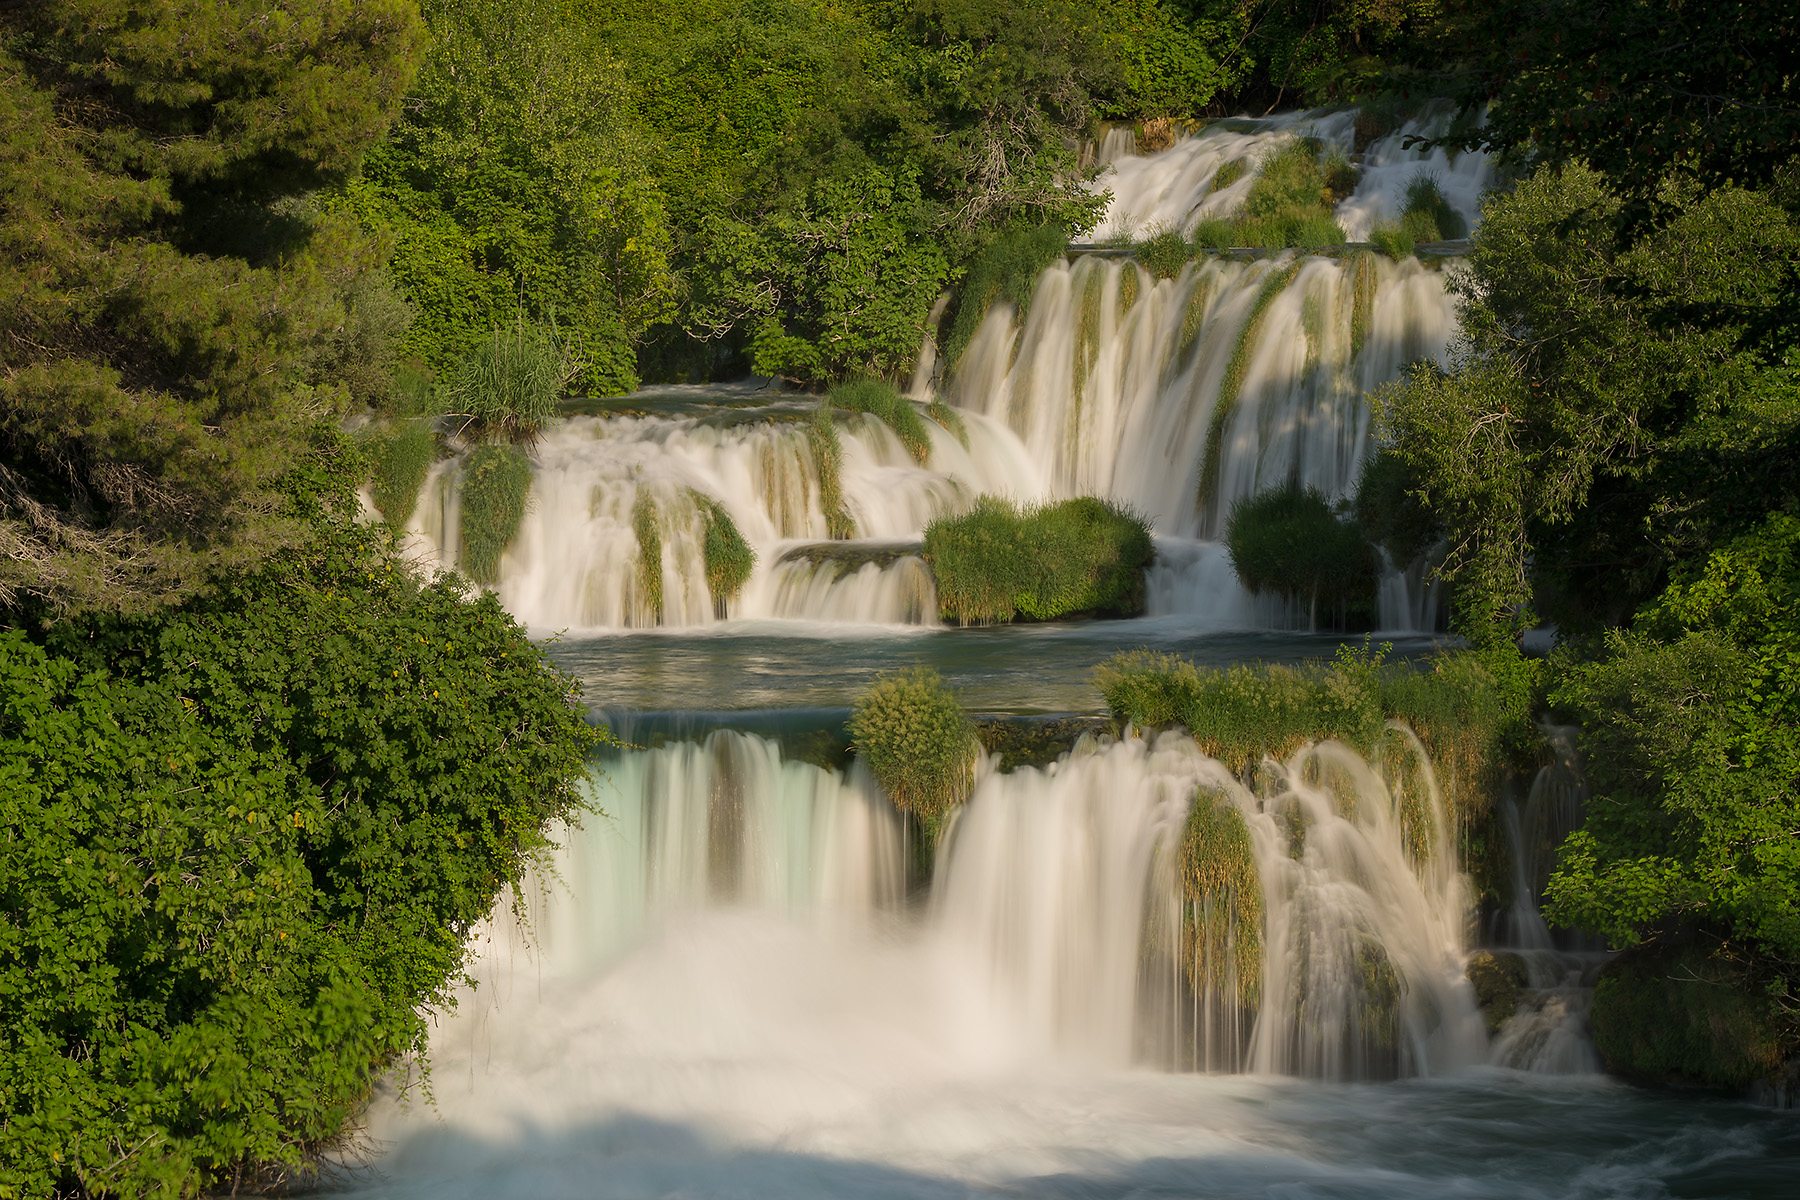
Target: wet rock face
{"points": [[1498, 977]]}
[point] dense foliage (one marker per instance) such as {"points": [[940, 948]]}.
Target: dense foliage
{"points": [[246, 840], [181, 317], [999, 562], [918, 743]]}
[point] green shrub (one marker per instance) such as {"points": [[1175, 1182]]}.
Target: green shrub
{"points": [[1006, 269], [509, 384], [1390, 512], [1232, 385], [882, 400], [1427, 216], [1290, 542], [918, 743], [828, 461], [247, 842], [999, 562], [1222, 910], [1340, 176], [644, 517], [496, 483], [1165, 253], [1215, 233], [729, 558], [402, 458], [1392, 240]]}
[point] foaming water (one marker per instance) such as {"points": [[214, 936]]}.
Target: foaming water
{"points": [[754, 1011]]}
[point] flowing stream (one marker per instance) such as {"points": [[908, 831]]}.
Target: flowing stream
{"points": [[744, 977]]}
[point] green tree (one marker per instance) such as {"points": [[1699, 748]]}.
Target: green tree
{"points": [[180, 319]]}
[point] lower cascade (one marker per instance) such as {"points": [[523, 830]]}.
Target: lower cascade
{"points": [[1080, 912]]}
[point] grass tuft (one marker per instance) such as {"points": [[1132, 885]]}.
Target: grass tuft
{"points": [[1223, 902], [1165, 253], [949, 419], [828, 460], [1428, 217], [509, 384], [999, 562], [496, 482], [401, 459], [644, 518], [918, 743], [1229, 172], [728, 557], [882, 400]]}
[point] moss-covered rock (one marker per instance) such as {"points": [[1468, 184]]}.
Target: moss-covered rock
{"points": [[1035, 741], [1691, 1016], [1497, 977], [1222, 913]]}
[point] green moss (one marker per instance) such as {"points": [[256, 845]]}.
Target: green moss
{"points": [[401, 459], [1087, 332], [828, 461], [1379, 992], [919, 745], [1000, 562], [1340, 176], [949, 419], [1288, 541], [496, 483], [728, 557], [1229, 172], [1193, 316], [1222, 911], [1363, 282], [649, 539], [1034, 741], [1232, 385], [1497, 978], [1006, 269], [1687, 1016], [883, 401], [1130, 283]]}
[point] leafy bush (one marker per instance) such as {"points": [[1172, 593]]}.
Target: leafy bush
{"points": [[828, 461], [918, 743], [1007, 269], [496, 483], [729, 558], [247, 843], [509, 384], [1165, 253], [882, 400], [1290, 542], [1390, 513], [1077, 557], [644, 517], [1687, 1016], [401, 459]]}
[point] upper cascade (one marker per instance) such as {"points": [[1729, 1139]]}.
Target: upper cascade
{"points": [[1177, 396]]}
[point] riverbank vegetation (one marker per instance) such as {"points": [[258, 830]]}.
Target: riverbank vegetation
{"points": [[919, 745], [1000, 562], [1289, 542]]}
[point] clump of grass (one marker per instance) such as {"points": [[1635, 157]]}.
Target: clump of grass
{"points": [[1340, 176], [1428, 217], [1289, 205], [1229, 172], [509, 384], [950, 420], [1289, 541], [1216, 233], [1222, 912], [828, 460], [401, 459], [1006, 269], [644, 523], [883, 401], [728, 557], [496, 483], [1165, 253], [1392, 240], [999, 563], [1232, 384], [919, 745]]}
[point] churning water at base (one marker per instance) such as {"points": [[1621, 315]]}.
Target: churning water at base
{"points": [[727, 995]]}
